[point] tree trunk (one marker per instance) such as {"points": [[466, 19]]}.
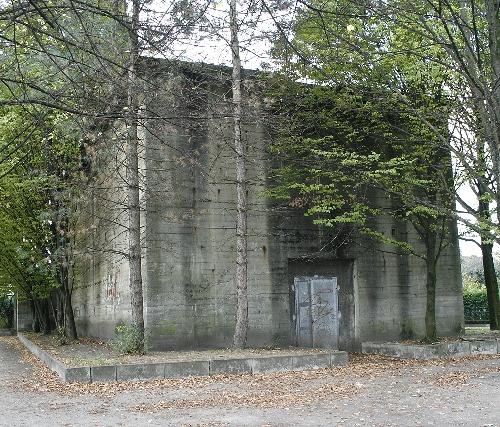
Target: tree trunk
{"points": [[490, 280], [490, 277], [35, 322], [492, 18], [42, 314], [65, 292], [55, 305], [430, 308], [69, 318], [132, 162], [241, 328]]}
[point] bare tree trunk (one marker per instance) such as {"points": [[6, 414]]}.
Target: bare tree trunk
{"points": [[63, 313], [132, 162], [69, 317], [65, 292], [35, 322], [241, 328], [54, 303], [41, 308], [491, 282], [430, 307], [490, 277]]}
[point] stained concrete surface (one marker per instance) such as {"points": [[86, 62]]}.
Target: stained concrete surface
{"points": [[385, 393], [189, 200]]}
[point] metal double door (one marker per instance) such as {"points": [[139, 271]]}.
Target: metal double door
{"points": [[316, 311]]}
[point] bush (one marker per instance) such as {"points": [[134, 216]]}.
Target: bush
{"points": [[4, 323], [128, 339], [475, 302], [6, 313]]}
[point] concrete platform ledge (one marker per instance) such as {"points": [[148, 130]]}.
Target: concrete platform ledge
{"points": [[182, 369], [432, 351]]}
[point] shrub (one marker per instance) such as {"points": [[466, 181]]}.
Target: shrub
{"points": [[475, 301], [4, 323], [6, 312], [127, 339]]}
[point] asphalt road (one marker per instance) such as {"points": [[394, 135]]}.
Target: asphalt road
{"points": [[371, 392]]}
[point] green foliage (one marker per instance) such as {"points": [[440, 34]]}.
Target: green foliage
{"points": [[341, 148], [127, 339], [366, 140], [475, 301], [472, 284], [69, 64], [6, 313], [29, 182], [59, 67], [359, 129]]}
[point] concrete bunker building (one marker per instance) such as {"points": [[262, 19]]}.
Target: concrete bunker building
{"points": [[304, 289]]}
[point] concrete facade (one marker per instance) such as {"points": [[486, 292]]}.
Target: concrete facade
{"points": [[189, 202], [23, 318]]}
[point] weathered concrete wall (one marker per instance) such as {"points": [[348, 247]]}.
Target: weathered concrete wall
{"points": [[23, 317], [391, 297], [390, 287], [190, 222], [190, 211], [101, 298], [189, 242]]}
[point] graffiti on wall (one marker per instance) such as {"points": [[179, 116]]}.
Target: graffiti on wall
{"points": [[111, 288]]}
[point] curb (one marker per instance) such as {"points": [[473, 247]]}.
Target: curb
{"points": [[183, 369], [433, 351]]}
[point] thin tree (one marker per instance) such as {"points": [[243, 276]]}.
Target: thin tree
{"points": [[132, 166], [241, 328]]}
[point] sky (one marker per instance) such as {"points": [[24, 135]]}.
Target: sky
{"points": [[469, 248]]}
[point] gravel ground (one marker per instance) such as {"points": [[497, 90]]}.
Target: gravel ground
{"points": [[371, 390]]}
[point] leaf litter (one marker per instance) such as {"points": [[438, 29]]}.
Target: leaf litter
{"points": [[269, 390]]}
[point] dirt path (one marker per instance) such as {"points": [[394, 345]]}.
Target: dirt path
{"points": [[370, 391]]}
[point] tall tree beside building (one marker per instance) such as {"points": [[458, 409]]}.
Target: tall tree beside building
{"points": [[241, 278], [457, 42], [338, 147], [132, 176]]}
